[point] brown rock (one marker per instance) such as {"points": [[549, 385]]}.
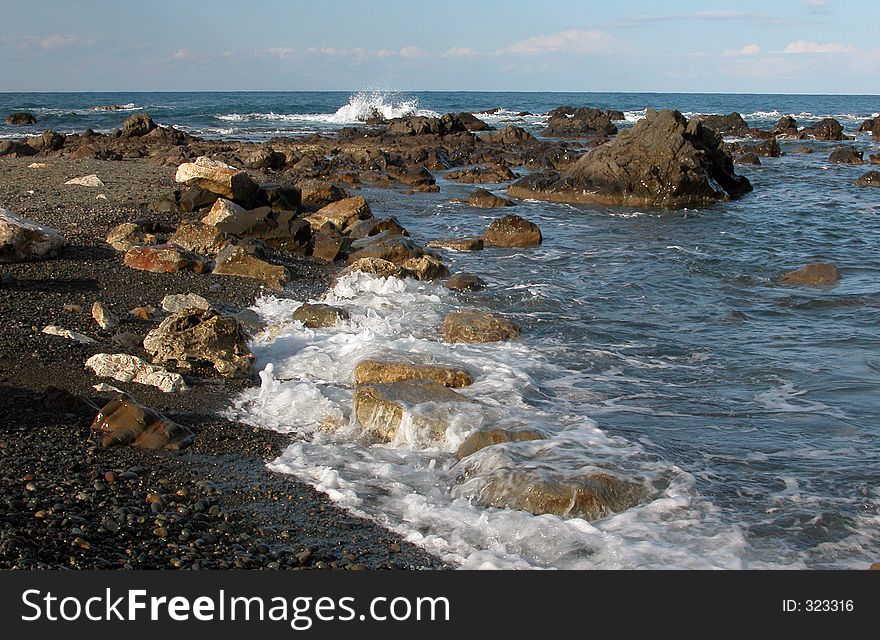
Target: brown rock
{"points": [[200, 238], [477, 326], [218, 178], [342, 213], [380, 372], [124, 422], [813, 275], [328, 243], [377, 267], [458, 244], [221, 210], [487, 438], [482, 175], [465, 282], [870, 179], [238, 261], [317, 194], [846, 155], [164, 258], [512, 231], [317, 316], [484, 199], [395, 249], [21, 118], [425, 267]]}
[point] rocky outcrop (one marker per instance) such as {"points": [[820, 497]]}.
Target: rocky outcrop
{"points": [[127, 368], [123, 422], [731, 124], [583, 122], [384, 372], [846, 155], [477, 326], [243, 262], [23, 240], [785, 126], [380, 408], [492, 174], [137, 125], [825, 129], [423, 125], [664, 160], [512, 231], [342, 213], [196, 339], [870, 179], [164, 258], [219, 178], [814, 275], [484, 199], [21, 118], [319, 316], [489, 437], [472, 122], [590, 497]]}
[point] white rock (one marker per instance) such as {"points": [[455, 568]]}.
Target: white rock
{"points": [[126, 368], [221, 210], [53, 330], [183, 301], [38, 165], [22, 239], [103, 387], [86, 181]]}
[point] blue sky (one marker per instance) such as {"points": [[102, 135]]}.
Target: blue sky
{"points": [[785, 46]]}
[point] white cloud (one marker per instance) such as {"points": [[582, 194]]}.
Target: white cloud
{"points": [[805, 46], [51, 41], [817, 7], [413, 52], [748, 50], [181, 54], [459, 52], [571, 41]]}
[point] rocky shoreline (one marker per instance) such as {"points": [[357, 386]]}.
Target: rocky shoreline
{"points": [[148, 245]]}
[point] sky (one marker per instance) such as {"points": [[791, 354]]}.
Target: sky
{"points": [[747, 46]]}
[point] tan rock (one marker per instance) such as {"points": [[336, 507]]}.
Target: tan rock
{"points": [[342, 213], [813, 275], [477, 326], [317, 316], [237, 261], [222, 210], [487, 438], [381, 372], [217, 177], [458, 244], [126, 368], [317, 194], [103, 317], [86, 181], [426, 267], [124, 422], [512, 231], [377, 267], [124, 236], [200, 238], [53, 330]]}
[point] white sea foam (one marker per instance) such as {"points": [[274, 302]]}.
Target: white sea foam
{"points": [[411, 483]]}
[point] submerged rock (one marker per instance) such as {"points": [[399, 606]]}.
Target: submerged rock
{"points": [[457, 244], [489, 437], [127, 368], [21, 118], [123, 422], [465, 282], [318, 316], [195, 339], [817, 274], [664, 160], [870, 179], [846, 155], [477, 326], [23, 240], [383, 372], [512, 231], [485, 199]]}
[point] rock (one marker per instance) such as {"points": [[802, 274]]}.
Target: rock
{"points": [[124, 236], [767, 149], [123, 422], [485, 199], [427, 267], [383, 372], [465, 282], [221, 210], [826, 129], [489, 437], [103, 317], [846, 155], [196, 338], [218, 178], [482, 175], [512, 231], [86, 181], [377, 267], [137, 125], [874, 158], [184, 302], [126, 368], [237, 261], [871, 124], [342, 213], [414, 177], [458, 244], [582, 122], [281, 230], [265, 158], [510, 136], [380, 408], [786, 125], [731, 124], [664, 160], [590, 497], [127, 340], [281, 197], [200, 238], [477, 326], [21, 118], [103, 387], [195, 198], [423, 125], [375, 226], [47, 141], [317, 194], [748, 158], [164, 258], [396, 249], [38, 165], [472, 122], [318, 316], [22, 239], [813, 275], [147, 312], [328, 243], [53, 330], [870, 179]]}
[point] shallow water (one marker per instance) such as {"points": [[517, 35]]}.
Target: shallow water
{"points": [[656, 346]]}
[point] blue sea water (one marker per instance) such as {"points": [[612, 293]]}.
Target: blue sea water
{"points": [[656, 344]]}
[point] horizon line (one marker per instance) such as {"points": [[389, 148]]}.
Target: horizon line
{"points": [[592, 91]]}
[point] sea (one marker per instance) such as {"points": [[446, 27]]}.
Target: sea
{"points": [[657, 346]]}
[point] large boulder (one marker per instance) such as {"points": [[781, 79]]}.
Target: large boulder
{"points": [[319, 316], [127, 368], [510, 136], [472, 122], [731, 124], [196, 339], [591, 496], [582, 122], [200, 238], [825, 129], [384, 372], [21, 118], [123, 422], [380, 408], [664, 160], [847, 154], [242, 262], [164, 258], [137, 125], [477, 326], [483, 438], [512, 231], [870, 179], [785, 126], [317, 194], [485, 199], [219, 178], [870, 125], [23, 240], [423, 125], [813, 275], [281, 230], [342, 213]]}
